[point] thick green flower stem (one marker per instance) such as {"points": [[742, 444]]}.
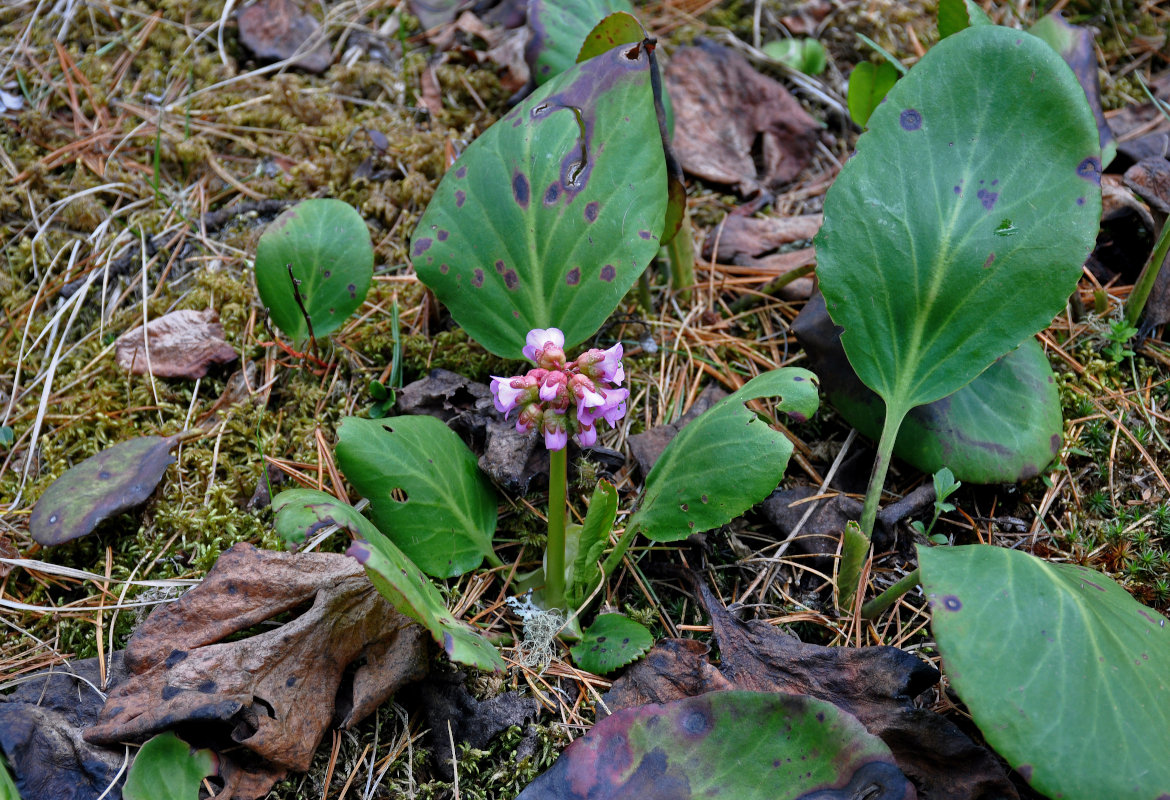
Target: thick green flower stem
{"points": [[877, 478], [554, 554], [1145, 283], [890, 596], [681, 252]]}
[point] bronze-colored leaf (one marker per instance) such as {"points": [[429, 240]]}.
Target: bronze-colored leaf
{"points": [[278, 29], [104, 485], [276, 691], [727, 116], [182, 344]]}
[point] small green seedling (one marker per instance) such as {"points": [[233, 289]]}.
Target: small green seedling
{"points": [[314, 265], [1118, 337], [805, 55], [944, 486], [166, 768]]}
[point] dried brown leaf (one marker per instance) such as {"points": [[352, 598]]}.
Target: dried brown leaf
{"points": [[182, 344]]}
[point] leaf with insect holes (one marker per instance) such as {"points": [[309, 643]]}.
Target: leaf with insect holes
{"points": [[725, 461], [550, 216], [746, 745], [611, 642], [1064, 672], [115, 480], [960, 226], [165, 768], [328, 245], [425, 490], [301, 512]]}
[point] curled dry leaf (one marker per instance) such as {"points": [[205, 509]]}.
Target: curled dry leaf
{"points": [[278, 29], [276, 691], [727, 115], [182, 344], [104, 485]]}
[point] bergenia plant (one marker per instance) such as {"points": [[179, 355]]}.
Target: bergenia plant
{"points": [[560, 398]]}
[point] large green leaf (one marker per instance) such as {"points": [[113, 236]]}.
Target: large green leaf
{"points": [[425, 490], [1003, 427], [745, 745], [328, 246], [725, 461], [1067, 676], [557, 31], [165, 768], [960, 226], [550, 216], [301, 512]]}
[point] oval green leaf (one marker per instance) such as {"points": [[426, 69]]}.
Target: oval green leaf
{"points": [[611, 642], [960, 226], [746, 745], [165, 768], [1003, 427], [425, 490], [328, 245], [301, 512], [550, 216], [620, 27], [868, 85], [115, 480], [955, 15], [557, 30], [1065, 673], [725, 461]]}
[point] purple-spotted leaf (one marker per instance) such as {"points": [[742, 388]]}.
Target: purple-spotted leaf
{"points": [[611, 642], [550, 216], [115, 480], [725, 461], [1065, 673], [746, 745], [960, 226], [328, 245], [558, 28], [302, 512]]}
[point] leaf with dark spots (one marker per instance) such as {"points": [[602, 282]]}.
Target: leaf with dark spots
{"points": [[181, 344], [41, 725], [1003, 427], [611, 642], [620, 27], [718, 146], [1064, 672], [747, 745], [253, 703], [564, 181], [115, 480]]}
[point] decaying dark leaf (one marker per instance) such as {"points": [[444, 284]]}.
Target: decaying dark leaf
{"points": [[445, 701], [647, 447], [1150, 178], [728, 117], [673, 669], [278, 29], [115, 480], [41, 725], [7, 550], [276, 691], [181, 344], [875, 684]]}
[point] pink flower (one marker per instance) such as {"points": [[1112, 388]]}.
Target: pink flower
{"points": [[507, 393], [586, 435], [553, 385], [542, 343], [556, 435], [612, 411], [604, 365]]}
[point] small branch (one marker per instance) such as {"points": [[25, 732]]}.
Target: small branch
{"points": [[890, 596]]}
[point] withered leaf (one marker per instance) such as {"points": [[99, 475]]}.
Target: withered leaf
{"points": [[182, 344], [104, 485], [741, 236], [727, 116], [277, 690], [41, 725], [875, 684], [278, 29]]}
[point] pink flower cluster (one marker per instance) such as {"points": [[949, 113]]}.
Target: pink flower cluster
{"points": [[547, 394]]}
